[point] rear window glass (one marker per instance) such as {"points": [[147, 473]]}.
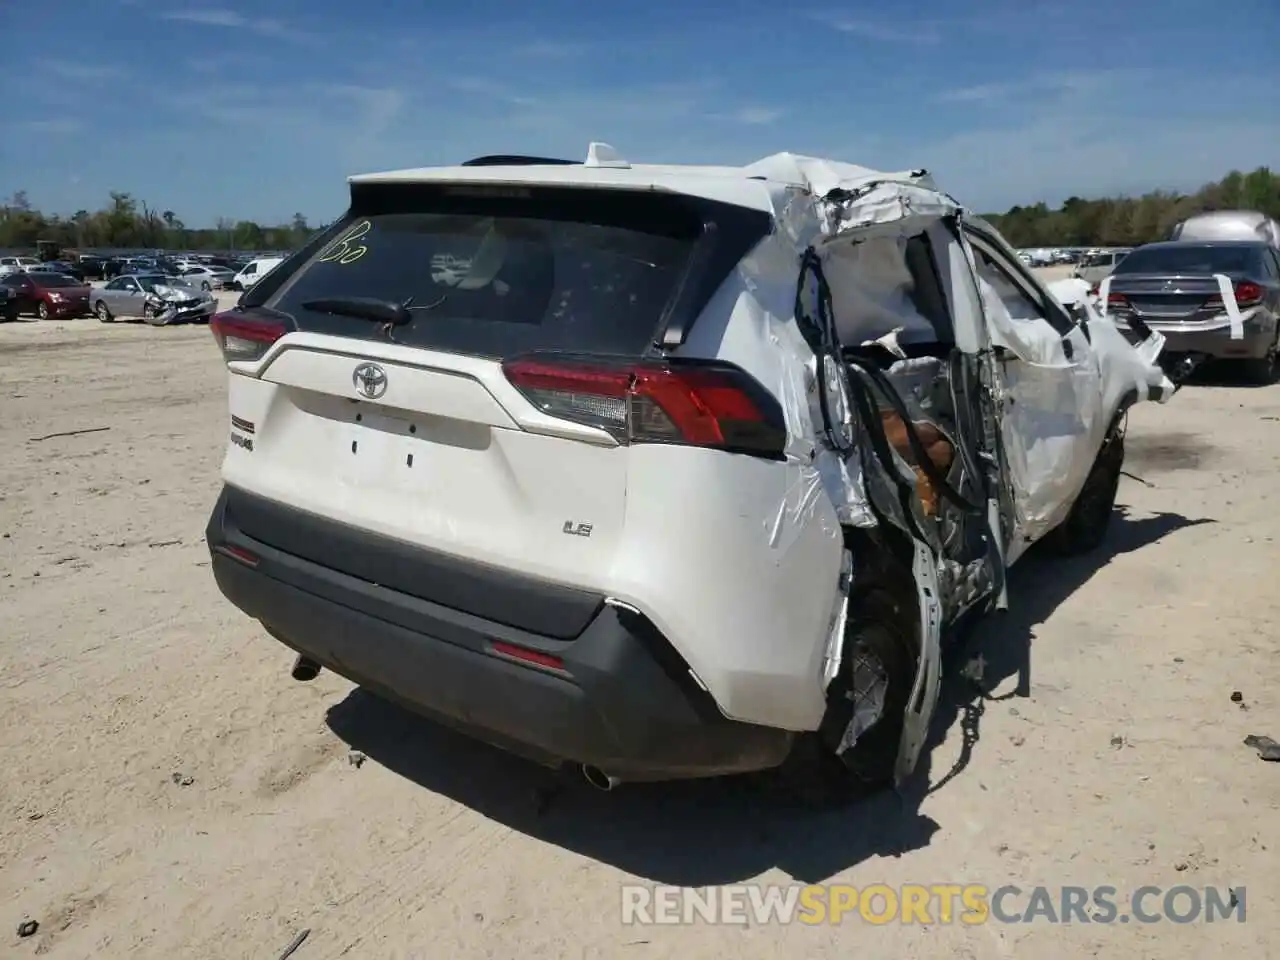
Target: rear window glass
{"points": [[1191, 259], [491, 284]]}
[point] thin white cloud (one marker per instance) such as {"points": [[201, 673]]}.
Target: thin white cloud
{"points": [[898, 30], [231, 20], [753, 116], [1062, 84], [53, 126], [489, 89], [552, 49], [980, 93], [376, 108], [81, 72]]}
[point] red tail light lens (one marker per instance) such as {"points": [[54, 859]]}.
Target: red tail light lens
{"points": [[1117, 300], [242, 337], [707, 405], [1248, 294]]}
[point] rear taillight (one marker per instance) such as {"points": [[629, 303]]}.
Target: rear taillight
{"points": [[243, 337], [1117, 301], [704, 405], [1248, 294]]}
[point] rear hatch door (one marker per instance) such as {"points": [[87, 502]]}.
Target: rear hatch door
{"points": [[411, 430]]}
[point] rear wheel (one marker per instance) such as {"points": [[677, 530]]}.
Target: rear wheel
{"points": [[1085, 527], [854, 751], [1262, 370], [101, 311]]}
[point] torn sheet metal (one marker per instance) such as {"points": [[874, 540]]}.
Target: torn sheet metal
{"points": [[869, 689], [1124, 366], [924, 690], [905, 205], [839, 620], [1228, 291]]}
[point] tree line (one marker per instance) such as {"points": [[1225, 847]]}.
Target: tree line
{"points": [[1130, 221], [128, 223]]}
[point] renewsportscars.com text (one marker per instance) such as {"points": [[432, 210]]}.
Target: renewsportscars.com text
{"points": [[928, 904]]}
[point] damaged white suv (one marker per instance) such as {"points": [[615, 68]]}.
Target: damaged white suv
{"points": [[658, 471]]}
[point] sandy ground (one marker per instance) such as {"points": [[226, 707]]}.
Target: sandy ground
{"points": [[169, 792]]}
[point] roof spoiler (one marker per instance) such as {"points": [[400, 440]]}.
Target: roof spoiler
{"points": [[518, 160]]}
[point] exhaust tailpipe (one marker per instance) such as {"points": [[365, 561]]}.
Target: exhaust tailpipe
{"points": [[304, 669], [598, 778]]}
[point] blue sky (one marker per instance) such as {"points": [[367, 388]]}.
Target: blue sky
{"points": [[256, 110]]}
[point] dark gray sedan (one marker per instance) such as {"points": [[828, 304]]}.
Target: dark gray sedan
{"points": [[1211, 300]]}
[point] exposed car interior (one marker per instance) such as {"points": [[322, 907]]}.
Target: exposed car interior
{"points": [[915, 395]]}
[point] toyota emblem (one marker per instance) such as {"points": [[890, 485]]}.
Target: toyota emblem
{"points": [[370, 380]]}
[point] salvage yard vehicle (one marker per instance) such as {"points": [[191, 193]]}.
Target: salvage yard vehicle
{"points": [[1096, 266], [10, 265], [1229, 225], [153, 297], [206, 276], [677, 471], [8, 304], [1215, 300], [50, 296], [253, 271], [59, 266]]}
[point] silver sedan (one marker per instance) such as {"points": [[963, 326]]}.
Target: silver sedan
{"points": [[208, 277], [155, 298]]}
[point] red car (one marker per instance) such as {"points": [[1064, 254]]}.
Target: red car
{"points": [[51, 296]]}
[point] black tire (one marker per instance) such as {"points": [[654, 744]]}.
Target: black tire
{"points": [[149, 316], [42, 310], [204, 285], [1262, 371], [101, 311], [881, 641], [1086, 526]]}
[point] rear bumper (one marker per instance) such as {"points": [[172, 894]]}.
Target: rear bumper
{"points": [[1216, 342], [621, 699]]}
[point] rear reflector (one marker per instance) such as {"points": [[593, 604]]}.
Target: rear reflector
{"points": [[704, 405], [248, 558], [536, 657], [243, 337]]}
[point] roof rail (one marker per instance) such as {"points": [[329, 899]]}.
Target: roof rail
{"points": [[516, 160]]}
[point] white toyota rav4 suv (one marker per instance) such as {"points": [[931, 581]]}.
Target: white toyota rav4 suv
{"points": [[659, 471]]}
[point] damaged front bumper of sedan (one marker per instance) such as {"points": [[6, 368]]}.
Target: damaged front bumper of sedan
{"points": [[180, 306]]}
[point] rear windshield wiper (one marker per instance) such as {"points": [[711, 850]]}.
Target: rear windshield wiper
{"points": [[362, 308]]}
